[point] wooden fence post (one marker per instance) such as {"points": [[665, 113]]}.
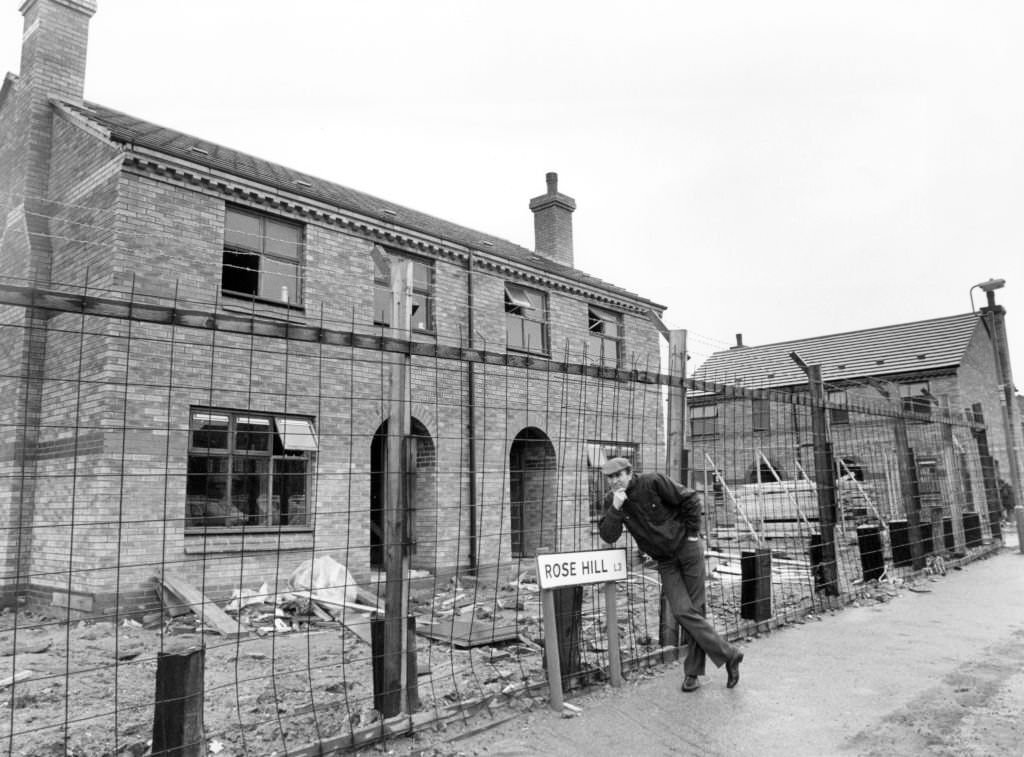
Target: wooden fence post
{"points": [[178, 714], [393, 671], [824, 478], [907, 465], [670, 633]]}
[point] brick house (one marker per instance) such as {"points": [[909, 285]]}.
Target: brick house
{"points": [[158, 436], [940, 373]]}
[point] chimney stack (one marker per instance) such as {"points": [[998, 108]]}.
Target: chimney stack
{"points": [[552, 223], [53, 47], [53, 52], [739, 342]]}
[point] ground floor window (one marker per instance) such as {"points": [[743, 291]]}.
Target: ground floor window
{"points": [[248, 469]]}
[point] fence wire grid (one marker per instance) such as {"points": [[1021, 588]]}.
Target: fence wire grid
{"points": [[183, 478]]}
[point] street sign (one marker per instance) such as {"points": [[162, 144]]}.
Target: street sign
{"points": [[575, 568], [572, 569]]}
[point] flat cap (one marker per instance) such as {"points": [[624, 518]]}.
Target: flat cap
{"points": [[614, 465]]}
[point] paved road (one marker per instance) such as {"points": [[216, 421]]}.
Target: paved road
{"points": [[939, 671]]}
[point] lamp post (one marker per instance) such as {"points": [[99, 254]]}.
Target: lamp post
{"points": [[993, 316]]}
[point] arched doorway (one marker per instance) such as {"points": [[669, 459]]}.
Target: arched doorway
{"points": [[532, 487], [423, 497]]}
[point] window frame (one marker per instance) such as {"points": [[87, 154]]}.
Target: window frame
{"points": [[916, 397], [518, 305], [422, 291], [760, 415], [598, 319], [838, 416], [707, 415], [243, 457], [265, 258]]}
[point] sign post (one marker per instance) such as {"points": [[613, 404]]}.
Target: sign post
{"points": [[573, 569]]}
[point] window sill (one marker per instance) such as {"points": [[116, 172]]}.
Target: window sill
{"points": [[385, 329], [529, 353], [263, 308], [228, 540]]}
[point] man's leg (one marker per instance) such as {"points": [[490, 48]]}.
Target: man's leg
{"points": [[705, 641]]}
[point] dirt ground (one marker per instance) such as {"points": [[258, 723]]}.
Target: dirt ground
{"points": [[88, 688], [296, 677]]}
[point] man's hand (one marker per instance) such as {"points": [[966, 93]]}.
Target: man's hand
{"points": [[618, 498]]}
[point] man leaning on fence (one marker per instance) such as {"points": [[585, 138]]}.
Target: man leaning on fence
{"points": [[664, 519]]}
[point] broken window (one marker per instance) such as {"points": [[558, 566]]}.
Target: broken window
{"points": [[262, 257], [604, 342], [526, 319], [422, 317], [248, 470]]}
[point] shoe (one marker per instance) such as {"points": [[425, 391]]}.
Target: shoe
{"points": [[733, 669], [690, 683]]}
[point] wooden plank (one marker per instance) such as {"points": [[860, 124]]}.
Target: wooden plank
{"points": [[208, 612], [171, 605], [81, 602], [465, 634], [16, 678], [351, 605], [359, 624]]}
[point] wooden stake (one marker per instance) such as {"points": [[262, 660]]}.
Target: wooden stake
{"points": [[178, 715], [394, 670]]}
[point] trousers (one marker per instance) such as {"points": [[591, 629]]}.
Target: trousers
{"points": [[682, 581]]}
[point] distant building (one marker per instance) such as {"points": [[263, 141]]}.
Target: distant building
{"points": [[943, 367], [230, 456]]}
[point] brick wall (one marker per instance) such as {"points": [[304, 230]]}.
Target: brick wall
{"points": [[117, 394]]}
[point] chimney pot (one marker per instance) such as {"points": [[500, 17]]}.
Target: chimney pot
{"points": [[552, 179]]}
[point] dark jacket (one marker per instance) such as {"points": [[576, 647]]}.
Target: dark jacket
{"points": [[659, 513]]}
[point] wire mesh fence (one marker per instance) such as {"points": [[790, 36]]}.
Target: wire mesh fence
{"points": [[180, 479]]}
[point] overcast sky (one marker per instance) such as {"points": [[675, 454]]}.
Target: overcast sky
{"points": [[778, 169]]}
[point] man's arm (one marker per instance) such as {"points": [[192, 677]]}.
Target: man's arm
{"points": [[610, 526], [686, 499]]}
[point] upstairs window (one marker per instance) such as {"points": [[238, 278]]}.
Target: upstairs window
{"points": [[604, 342], [526, 319], [248, 470], [422, 318], [917, 398], [703, 420], [761, 418], [262, 257], [838, 415]]}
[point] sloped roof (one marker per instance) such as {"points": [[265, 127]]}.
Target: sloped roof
{"points": [[916, 347], [129, 130]]}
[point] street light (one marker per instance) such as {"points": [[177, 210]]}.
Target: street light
{"points": [[993, 315], [988, 287]]}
